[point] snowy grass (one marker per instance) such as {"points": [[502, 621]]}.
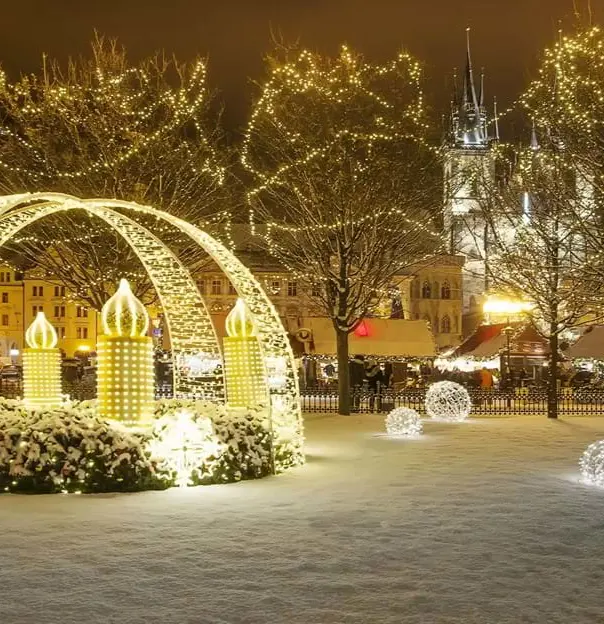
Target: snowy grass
{"points": [[483, 522]]}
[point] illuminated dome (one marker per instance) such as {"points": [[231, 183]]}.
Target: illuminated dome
{"points": [[239, 323], [41, 334], [124, 314]]}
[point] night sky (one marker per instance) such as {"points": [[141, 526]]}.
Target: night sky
{"points": [[507, 35]]}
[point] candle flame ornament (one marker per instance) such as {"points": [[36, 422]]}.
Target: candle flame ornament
{"points": [[125, 385], [41, 365], [245, 375], [124, 314]]}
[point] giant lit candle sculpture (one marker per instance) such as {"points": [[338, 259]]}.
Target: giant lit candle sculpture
{"points": [[125, 384], [243, 366], [41, 365]]}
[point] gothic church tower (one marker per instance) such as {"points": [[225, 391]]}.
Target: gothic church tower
{"points": [[468, 159]]}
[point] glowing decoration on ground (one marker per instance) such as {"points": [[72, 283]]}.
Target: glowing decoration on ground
{"points": [[187, 319], [245, 376], [41, 365], [446, 400], [185, 443], [592, 464], [404, 421], [126, 384]]}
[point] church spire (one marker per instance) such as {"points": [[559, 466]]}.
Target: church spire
{"points": [[469, 87], [496, 118], [481, 97]]}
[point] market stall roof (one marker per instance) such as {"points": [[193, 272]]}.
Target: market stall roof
{"points": [[589, 346], [379, 337], [488, 341]]}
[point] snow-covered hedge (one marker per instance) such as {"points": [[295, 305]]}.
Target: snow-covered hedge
{"points": [[71, 449]]}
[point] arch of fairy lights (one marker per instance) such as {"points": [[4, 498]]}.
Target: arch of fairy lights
{"points": [[188, 321]]}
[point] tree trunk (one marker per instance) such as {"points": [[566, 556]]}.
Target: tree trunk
{"points": [[343, 373], [552, 382]]}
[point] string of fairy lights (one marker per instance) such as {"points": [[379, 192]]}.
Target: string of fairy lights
{"points": [[335, 84]]}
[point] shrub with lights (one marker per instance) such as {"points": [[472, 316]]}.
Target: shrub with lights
{"points": [[449, 401]]}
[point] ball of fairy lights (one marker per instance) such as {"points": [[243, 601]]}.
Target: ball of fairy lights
{"points": [[592, 464], [403, 421], [446, 400]]}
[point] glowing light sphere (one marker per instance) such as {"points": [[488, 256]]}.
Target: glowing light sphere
{"points": [[125, 380], [592, 464], [446, 400], [41, 365], [184, 442], [404, 421]]}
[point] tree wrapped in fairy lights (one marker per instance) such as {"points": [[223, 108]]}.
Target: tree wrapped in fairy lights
{"points": [[104, 127], [344, 186]]}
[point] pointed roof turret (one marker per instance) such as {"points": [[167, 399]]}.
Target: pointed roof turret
{"points": [[481, 97], [496, 118], [469, 88]]}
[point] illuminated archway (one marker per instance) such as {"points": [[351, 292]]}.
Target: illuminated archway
{"points": [[187, 317]]}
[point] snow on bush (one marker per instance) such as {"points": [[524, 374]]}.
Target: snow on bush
{"points": [[70, 449], [403, 421], [592, 463], [243, 439], [446, 400]]}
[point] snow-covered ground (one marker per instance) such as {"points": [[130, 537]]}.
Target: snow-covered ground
{"points": [[483, 522]]}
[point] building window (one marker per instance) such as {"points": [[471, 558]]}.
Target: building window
{"points": [[201, 286], [5, 320], [426, 291], [292, 289], [4, 297], [232, 289], [82, 333], [315, 290], [275, 287], [455, 290], [455, 325], [4, 277], [445, 327], [37, 291], [59, 311], [59, 291], [415, 289], [217, 287], [82, 312], [36, 309], [445, 291], [60, 332]]}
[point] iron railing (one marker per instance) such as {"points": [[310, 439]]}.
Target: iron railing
{"points": [[580, 401]]}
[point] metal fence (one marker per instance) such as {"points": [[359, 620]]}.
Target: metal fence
{"points": [[484, 402]]}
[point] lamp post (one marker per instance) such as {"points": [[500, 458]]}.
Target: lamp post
{"points": [[508, 333]]}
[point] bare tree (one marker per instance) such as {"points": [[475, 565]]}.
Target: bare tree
{"points": [[103, 127], [536, 245], [342, 179]]}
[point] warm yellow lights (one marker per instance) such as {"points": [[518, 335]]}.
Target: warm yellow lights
{"points": [[505, 307], [239, 323], [41, 365], [41, 334], [245, 375], [126, 381], [124, 314]]}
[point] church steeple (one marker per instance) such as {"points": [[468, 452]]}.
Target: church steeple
{"points": [[468, 115]]}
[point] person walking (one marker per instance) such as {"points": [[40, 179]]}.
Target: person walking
{"points": [[375, 380]]}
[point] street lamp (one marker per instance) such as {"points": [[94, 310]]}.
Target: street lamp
{"points": [[508, 334]]}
